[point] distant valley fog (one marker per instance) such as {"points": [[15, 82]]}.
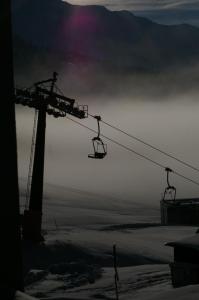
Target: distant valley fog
{"points": [[96, 84]]}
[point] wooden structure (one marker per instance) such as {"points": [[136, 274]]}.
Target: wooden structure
{"points": [[185, 268], [180, 212]]}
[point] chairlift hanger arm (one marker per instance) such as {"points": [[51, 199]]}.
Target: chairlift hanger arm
{"points": [[171, 190], [98, 118], [168, 170]]}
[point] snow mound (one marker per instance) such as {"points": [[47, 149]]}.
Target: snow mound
{"points": [[133, 226], [22, 296], [41, 257], [33, 276]]}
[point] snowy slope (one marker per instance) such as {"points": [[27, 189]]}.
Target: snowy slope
{"points": [[76, 261], [159, 292]]}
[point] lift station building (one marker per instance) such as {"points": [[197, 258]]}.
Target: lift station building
{"points": [[185, 267], [180, 212]]}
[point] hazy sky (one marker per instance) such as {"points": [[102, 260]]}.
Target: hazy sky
{"points": [[142, 4]]}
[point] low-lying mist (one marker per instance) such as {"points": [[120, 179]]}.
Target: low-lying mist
{"points": [[161, 109], [95, 81]]}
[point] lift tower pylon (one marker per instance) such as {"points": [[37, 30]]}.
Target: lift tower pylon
{"points": [[45, 101], [33, 216]]}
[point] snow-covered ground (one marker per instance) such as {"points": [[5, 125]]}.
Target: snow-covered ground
{"points": [[76, 261]]}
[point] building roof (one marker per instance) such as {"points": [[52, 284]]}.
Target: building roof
{"points": [[191, 242], [194, 201]]}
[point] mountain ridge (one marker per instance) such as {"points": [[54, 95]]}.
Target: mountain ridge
{"points": [[116, 41]]}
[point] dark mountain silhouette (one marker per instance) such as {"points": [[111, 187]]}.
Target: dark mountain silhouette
{"points": [[172, 16], [94, 35]]}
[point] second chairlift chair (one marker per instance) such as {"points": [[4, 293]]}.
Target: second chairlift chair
{"points": [[170, 191], [100, 149]]}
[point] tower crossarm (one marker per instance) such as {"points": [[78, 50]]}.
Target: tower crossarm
{"points": [[56, 105]]}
